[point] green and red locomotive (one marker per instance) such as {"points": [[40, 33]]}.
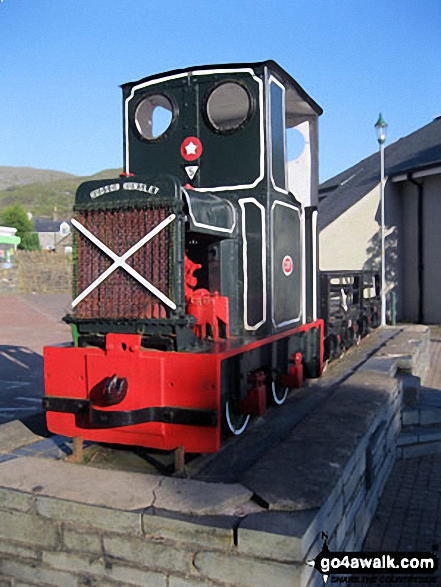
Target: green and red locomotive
{"points": [[195, 271]]}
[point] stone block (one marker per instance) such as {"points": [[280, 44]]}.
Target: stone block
{"points": [[317, 526], [100, 567], [335, 515], [354, 506], [18, 551], [407, 438], [246, 572], [333, 497], [430, 416], [385, 365], [411, 385], [308, 576], [84, 515], [200, 498], [350, 541], [16, 500], [420, 450], [146, 553], [274, 535], [429, 434], [14, 435], [360, 519], [28, 529], [341, 533], [352, 486], [174, 581], [410, 417], [81, 541], [112, 489], [314, 548], [213, 531], [35, 573], [393, 430], [382, 477]]}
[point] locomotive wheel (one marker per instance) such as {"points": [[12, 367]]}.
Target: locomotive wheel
{"points": [[279, 393], [236, 421]]}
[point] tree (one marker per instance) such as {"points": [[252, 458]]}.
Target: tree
{"points": [[16, 217]]}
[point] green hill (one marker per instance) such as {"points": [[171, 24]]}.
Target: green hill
{"points": [[43, 191], [14, 176]]}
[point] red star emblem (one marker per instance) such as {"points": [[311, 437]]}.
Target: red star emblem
{"points": [[191, 148]]}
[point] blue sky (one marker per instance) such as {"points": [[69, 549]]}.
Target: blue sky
{"points": [[62, 62]]}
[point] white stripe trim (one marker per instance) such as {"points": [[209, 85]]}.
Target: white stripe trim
{"points": [[209, 226], [272, 79], [302, 292], [302, 241], [121, 262], [314, 264], [245, 264]]}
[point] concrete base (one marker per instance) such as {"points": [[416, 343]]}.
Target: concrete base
{"points": [[67, 525]]}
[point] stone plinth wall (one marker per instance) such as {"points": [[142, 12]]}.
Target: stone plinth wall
{"points": [[43, 272], [65, 525]]}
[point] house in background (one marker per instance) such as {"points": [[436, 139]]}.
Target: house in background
{"points": [[349, 222], [54, 235]]}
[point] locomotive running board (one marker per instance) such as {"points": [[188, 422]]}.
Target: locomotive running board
{"points": [[90, 417]]}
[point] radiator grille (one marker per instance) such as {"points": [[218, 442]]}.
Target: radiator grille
{"points": [[121, 296]]}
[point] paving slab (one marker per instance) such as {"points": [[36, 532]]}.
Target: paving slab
{"points": [[14, 435], [386, 365], [299, 472], [119, 489], [198, 497]]}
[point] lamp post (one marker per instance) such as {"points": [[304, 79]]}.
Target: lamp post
{"points": [[381, 127]]}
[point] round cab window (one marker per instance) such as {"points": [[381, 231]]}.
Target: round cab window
{"points": [[228, 106], [154, 116]]}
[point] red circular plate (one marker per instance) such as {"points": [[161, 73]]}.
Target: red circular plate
{"points": [[287, 265], [191, 148]]}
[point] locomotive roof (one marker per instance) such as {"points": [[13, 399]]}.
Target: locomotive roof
{"points": [[298, 91]]}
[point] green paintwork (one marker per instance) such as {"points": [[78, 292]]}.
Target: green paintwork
{"points": [[75, 335], [9, 240]]}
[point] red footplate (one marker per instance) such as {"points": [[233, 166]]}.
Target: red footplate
{"points": [[160, 387]]}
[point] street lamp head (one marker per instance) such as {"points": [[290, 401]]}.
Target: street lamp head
{"points": [[381, 127]]}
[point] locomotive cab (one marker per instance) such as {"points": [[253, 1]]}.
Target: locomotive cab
{"points": [[227, 133]]}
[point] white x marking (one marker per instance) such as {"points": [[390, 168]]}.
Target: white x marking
{"points": [[121, 262]]}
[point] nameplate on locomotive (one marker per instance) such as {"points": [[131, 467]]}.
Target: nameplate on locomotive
{"points": [[141, 187], [105, 189], [128, 185]]}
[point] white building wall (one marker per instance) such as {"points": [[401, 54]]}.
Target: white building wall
{"points": [[347, 242]]}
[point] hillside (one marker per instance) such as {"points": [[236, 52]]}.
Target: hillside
{"points": [[15, 176], [41, 191]]}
